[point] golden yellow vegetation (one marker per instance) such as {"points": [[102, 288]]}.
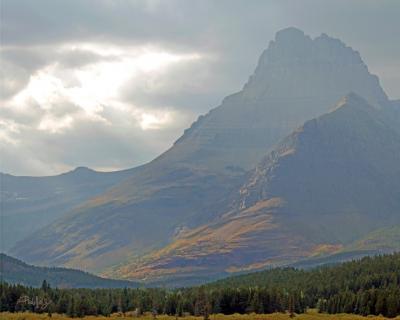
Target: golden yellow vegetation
{"points": [[310, 315]]}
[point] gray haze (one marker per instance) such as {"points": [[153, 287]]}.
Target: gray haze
{"points": [[111, 84]]}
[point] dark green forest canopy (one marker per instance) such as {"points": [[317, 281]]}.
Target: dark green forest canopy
{"points": [[367, 286], [367, 272]]}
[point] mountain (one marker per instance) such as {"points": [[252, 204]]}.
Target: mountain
{"points": [[30, 203], [352, 152], [296, 78], [15, 271], [188, 187], [328, 184]]}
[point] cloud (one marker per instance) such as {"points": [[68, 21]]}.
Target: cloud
{"points": [[112, 83], [72, 102]]}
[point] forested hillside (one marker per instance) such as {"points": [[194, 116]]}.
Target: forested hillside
{"points": [[368, 286], [15, 271]]}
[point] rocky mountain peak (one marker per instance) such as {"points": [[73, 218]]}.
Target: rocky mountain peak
{"points": [[298, 67], [297, 78], [292, 46], [291, 36]]}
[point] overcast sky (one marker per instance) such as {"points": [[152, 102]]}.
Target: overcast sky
{"points": [[111, 84]]}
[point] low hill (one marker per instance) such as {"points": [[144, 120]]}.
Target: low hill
{"points": [[30, 203], [17, 272]]}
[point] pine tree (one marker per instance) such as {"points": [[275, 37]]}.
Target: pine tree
{"points": [[393, 305]]}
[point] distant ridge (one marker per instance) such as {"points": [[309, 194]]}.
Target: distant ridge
{"points": [[17, 272], [29, 203]]}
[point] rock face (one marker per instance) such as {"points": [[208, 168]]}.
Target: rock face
{"points": [[343, 165], [193, 183], [297, 78], [331, 182], [297, 67]]}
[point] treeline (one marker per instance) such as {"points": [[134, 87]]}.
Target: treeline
{"points": [[368, 286], [194, 301]]}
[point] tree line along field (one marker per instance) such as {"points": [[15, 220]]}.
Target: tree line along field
{"points": [[367, 287], [309, 315]]}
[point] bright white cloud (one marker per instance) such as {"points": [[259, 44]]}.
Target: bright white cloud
{"points": [[8, 129], [96, 86], [154, 120], [55, 125], [61, 100]]}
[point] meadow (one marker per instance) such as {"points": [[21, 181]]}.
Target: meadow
{"points": [[309, 315]]}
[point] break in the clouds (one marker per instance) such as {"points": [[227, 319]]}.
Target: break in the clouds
{"points": [[111, 84]]}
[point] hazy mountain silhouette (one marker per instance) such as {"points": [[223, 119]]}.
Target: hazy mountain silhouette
{"points": [[195, 182], [30, 203], [14, 271], [332, 181]]}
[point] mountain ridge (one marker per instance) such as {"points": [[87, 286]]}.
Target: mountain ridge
{"points": [[265, 230], [192, 183], [30, 202], [15, 271]]}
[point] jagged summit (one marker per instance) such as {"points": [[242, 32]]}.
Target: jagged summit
{"points": [[291, 36], [296, 66], [292, 45], [297, 78]]}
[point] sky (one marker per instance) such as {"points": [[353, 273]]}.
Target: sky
{"points": [[112, 84]]}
